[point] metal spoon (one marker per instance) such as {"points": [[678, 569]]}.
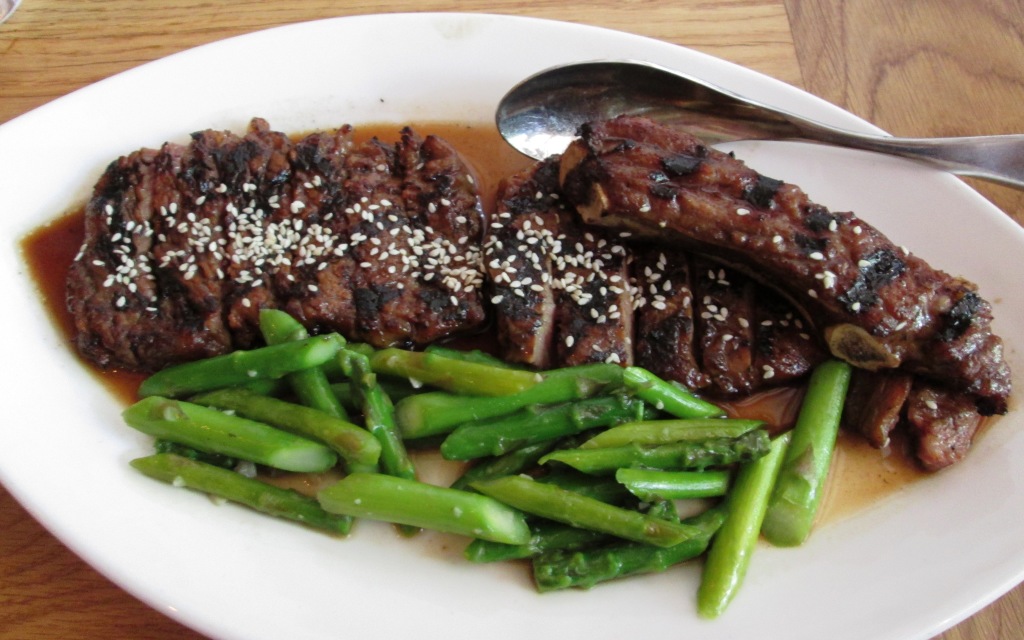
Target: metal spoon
{"points": [[542, 114]]}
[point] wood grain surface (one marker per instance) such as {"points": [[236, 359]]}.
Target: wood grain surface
{"points": [[914, 67]]}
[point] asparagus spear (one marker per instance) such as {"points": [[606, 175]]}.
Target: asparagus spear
{"points": [[457, 375], [536, 424], [562, 569], [571, 508], [729, 557], [216, 459], [282, 503], [674, 485], [511, 463], [413, 503], [429, 414], [354, 444], [240, 367], [599, 488], [655, 432], [548, 535], [472, 355], [210, 430], [668, 457], [310, 385], [666, 396], [345, 392], [798, 491], [378, 414], [544, 536]]}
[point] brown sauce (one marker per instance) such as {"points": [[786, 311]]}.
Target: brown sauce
{"points": [[860, 476]]}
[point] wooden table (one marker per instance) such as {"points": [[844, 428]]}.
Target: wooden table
{"points": [[915, 68]]}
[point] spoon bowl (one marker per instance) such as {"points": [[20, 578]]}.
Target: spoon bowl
{"points": [[542, 114]]}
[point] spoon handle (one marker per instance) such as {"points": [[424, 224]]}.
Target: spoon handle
{"points": [[995, 158]]}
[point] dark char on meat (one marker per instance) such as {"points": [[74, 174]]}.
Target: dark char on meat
{"points": [[186, 243], [877, 305]]}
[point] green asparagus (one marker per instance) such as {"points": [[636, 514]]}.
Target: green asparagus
{"points": [[240, 367], [544, 536], [536, 424], [729, 557], [413, 503], [666, 396], [216, 459], [561, 505], [227, 484], [354, 444], [213, 431], [457, 375], [310, 385], [471, 355], [678, 456], [509, 464], [429, 414], [378, 414], [655, 432], [674, 485], [346, 392], [562, 569], [801, 484]]}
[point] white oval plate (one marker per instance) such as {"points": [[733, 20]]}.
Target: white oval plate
{"points": [[907, 568]]}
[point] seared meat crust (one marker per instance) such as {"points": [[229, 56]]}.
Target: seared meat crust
{"points": [[878, 306], [185, 244], [568, 294], [561, 292]]}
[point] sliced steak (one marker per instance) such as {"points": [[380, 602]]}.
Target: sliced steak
{"points": [[132, 303], [185, 244], [942, 423], [874, 404], [561, 292], [725, 333], [594, 312], [665, 325], [522, 237], [877, 305], [785, 349]]}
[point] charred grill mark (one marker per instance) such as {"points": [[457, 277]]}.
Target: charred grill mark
{"points": [[664, 190], [959, 318], [762, 191], [810, 246], [681, 164], [874, 272], [818, 219]]}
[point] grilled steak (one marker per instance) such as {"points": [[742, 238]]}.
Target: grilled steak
{"points": [[561, 292], [877, 305], [942, 423], [874, 404], [186, 243], [568, 294], [665, 324]]}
